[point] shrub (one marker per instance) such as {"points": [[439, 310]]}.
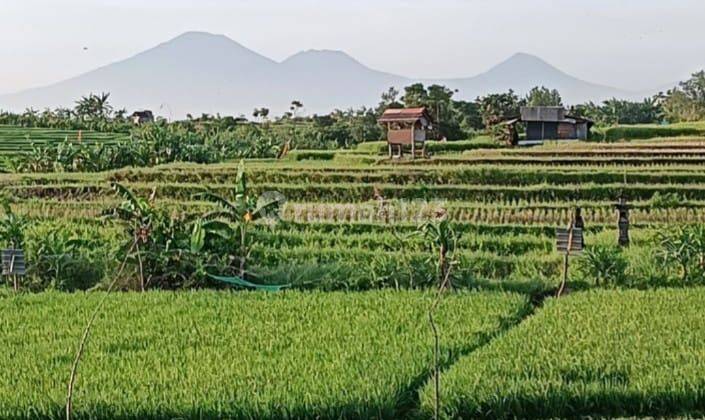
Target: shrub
{"points": [[603, 265], [666, 200], [60, 261], [684, 248]]}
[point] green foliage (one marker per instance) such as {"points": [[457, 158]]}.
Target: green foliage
{"points": [[12, 227], [93, 107], [543, 96], [497, 107], [603, 265], [161, 247], [62, 262], [246, 355], [687, 101], [232, 220], [630, 132], [453, 119], [599, 354], [684, 247], [617, 111], [666, 200], [442, 240]]}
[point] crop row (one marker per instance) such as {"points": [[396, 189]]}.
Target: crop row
{"points": [[510, 212], [604, 161], [344, 256], [356, 193], [484, 175], [268, 171], [612, 152], [558, 215]]}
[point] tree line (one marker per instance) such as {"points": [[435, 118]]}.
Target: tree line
{"points": [[263, 135]]}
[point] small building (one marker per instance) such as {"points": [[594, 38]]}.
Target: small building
{"points": [[142, 117], [550, 123], [406, 127]]}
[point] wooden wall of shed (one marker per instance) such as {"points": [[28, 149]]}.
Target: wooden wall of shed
{"points": [[567, 131], [400, 136]]}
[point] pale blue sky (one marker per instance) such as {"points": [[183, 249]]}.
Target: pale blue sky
{"points": [[633, 44]]}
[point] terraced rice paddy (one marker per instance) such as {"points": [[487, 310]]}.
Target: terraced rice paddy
{"points": [[351, 223], [15, 140], [348, 218]]}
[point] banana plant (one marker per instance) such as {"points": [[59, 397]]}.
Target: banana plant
{"points": [[12, 227], [140, 216], [442, 238], [234, 216], [684, 247]]}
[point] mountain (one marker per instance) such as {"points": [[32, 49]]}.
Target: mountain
{"points": [[199, 72], [326, 79], [521, 72]]}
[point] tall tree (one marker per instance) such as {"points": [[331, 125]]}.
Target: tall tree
{"points": [[687, 101], [415, 95], [94, 106], [389, 99], [497, 107], [543, 96]]}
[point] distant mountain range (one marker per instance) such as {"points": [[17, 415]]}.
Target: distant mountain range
{"points": [[199, 72]]}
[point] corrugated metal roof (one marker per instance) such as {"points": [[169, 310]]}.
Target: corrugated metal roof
{"points": [[543, 113]]}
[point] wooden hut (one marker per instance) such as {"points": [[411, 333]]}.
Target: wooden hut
{"points": [[551, 123], [406, 127]]}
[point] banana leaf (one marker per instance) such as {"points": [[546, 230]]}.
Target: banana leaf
{"points": [[237, 281]]}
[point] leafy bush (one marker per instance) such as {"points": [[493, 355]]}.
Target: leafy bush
{"points": [[603, 265], [684, 248], [59, 261], [666, 200]]}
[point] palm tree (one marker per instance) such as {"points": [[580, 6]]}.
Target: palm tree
{"points": [[94, 106]]}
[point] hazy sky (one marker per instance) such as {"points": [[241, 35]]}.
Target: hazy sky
{"points": [[632, 44]]}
